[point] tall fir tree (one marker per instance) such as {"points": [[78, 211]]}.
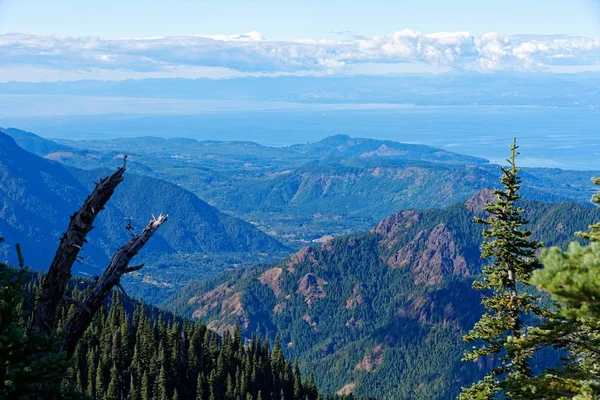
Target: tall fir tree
{"points": [[572, 277], [146, 390], [112, 392], [200, 388], [513, 260]]}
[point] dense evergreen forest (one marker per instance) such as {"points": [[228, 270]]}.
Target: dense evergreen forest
{"points": [[388, 312], [142, 353], [136, 351]]}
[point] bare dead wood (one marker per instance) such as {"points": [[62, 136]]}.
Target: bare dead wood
{"points": [[111, 277], [76, 302], [56, 281], [122, 289]]}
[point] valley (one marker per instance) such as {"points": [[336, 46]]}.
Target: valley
{"points": [[300, 193], [38, 195], [359, 302]]}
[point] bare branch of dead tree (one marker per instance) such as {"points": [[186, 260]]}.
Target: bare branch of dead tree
{"points": [[111, 278], [57, 279]]}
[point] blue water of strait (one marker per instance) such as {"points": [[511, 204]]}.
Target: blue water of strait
{"points": [[568, 138]]}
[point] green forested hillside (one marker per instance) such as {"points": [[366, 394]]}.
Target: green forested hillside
{"points": [[141, 353], [38, 195], [381, 312], [299, 193], [134, 351]]}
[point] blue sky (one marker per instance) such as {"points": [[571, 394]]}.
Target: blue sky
{"points": [[285, 19], [201, 38]]}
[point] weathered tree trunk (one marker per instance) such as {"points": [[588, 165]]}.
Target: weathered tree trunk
{"points": [[57, 280], [111, 277], [512, 290]]}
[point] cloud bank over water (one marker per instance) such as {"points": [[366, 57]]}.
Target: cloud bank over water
{"points": [[52, 57]]}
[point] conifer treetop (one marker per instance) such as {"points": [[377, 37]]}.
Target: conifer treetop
{"points": [[512, 254]]}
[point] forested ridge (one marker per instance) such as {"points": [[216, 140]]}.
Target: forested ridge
{"points": [[385, 310], [430, 304], [37, 196], [133, 350], [64, 339], [140, 352], [338, 185]]}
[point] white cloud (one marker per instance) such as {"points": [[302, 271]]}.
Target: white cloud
{"points": [[252, 54]]}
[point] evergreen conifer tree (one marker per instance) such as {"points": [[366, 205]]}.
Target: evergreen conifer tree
{"points": [[30, 364], [146, 390], [112, 392], [573, 279], [513, 260], [297, 381], [137, 358], [593, 234], [200, 388]]}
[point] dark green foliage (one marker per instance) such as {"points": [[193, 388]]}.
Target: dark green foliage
{"points": [[513, 259], [593, 234], [573, 279], [132, 351], [30, 365], [136, 351]]}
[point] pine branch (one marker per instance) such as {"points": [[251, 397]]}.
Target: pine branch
{"points": [[581, 344]]}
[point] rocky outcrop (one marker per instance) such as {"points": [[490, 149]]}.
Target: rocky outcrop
{"points": [[347, 390], [227, 302], [270, 278], [211, 300], [440, 258], [308, 319], [476, 203], [312, 288], [423, 309], [356, 299], [372, 360], [304, 254], [416, 310], [432, 256], [392, 225]]}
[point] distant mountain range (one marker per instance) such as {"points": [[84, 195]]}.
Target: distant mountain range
{"points": [[421, 89], [38, 195], [300, 193], [382, 312], [296, 194]]}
